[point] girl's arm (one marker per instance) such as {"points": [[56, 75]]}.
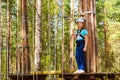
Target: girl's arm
{"points": [[73, 35], [86, 42]]}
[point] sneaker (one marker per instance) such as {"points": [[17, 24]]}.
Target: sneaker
{"points": [[79, 71], [76, 71]]}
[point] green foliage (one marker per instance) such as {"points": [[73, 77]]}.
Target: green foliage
{"points": [[112, 20]]}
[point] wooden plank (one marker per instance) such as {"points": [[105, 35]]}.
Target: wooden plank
{"points": [[27, 76], [91, 76]]}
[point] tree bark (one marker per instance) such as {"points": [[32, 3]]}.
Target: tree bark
{"points": [[18, 45], [25, 46], [9, 37], [62, 18], [0, 41], [106, 41], [55, 33], [37, 35], [88, 9], [71, 32]]}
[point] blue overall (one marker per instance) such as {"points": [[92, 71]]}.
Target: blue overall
{"points": [[80, 55], [80, 58]]}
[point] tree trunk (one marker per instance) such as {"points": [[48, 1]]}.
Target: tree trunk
{"points": [[88, 9], [25, 46], [9, 36], [71, 30], [55, 33], [37, 35], [18, 53], [0, 40], [106, 41], [62, 18], [33, 30]]}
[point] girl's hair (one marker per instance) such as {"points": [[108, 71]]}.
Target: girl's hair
{"points": [[84, 23]]}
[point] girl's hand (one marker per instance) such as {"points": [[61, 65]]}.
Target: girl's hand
{"points": [[84, 49], [73, 34]]}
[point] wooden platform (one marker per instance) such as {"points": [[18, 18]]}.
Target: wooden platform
{"points": [[68, 76], [91, 76], [27, 76]]}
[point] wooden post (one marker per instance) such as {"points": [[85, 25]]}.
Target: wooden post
{"points": [[25, 56], [88, 9]]}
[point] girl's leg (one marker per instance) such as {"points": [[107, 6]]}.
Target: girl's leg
{"points": [[78, 57], [82, 65], [82, 57]]}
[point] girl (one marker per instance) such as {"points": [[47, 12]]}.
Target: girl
{"points": [[81, 44]]}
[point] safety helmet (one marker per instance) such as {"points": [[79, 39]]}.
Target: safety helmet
{"points": [[80, 20]]}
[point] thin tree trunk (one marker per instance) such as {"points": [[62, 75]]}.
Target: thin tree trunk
{"points": [[37, 35], [33, 30], [95, 34], [18, 45], [63, 55], [107, 44], [71, 30], [55, 33], [17, 67], [26, 55], [49, 32], [9, 36], [0, 40]]}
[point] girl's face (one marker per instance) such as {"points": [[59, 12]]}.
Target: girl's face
{"points": [[80, 25]]}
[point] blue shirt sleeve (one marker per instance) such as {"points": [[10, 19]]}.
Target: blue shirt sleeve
{"points": [[84, 32]]}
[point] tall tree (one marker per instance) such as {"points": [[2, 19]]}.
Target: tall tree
{"points": [[71, 32], [18, 23], [37, 35], [9, 36], [55, 33], [106, 41], [0, 39], [62, 20], [88, 9], [26, 55]]}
